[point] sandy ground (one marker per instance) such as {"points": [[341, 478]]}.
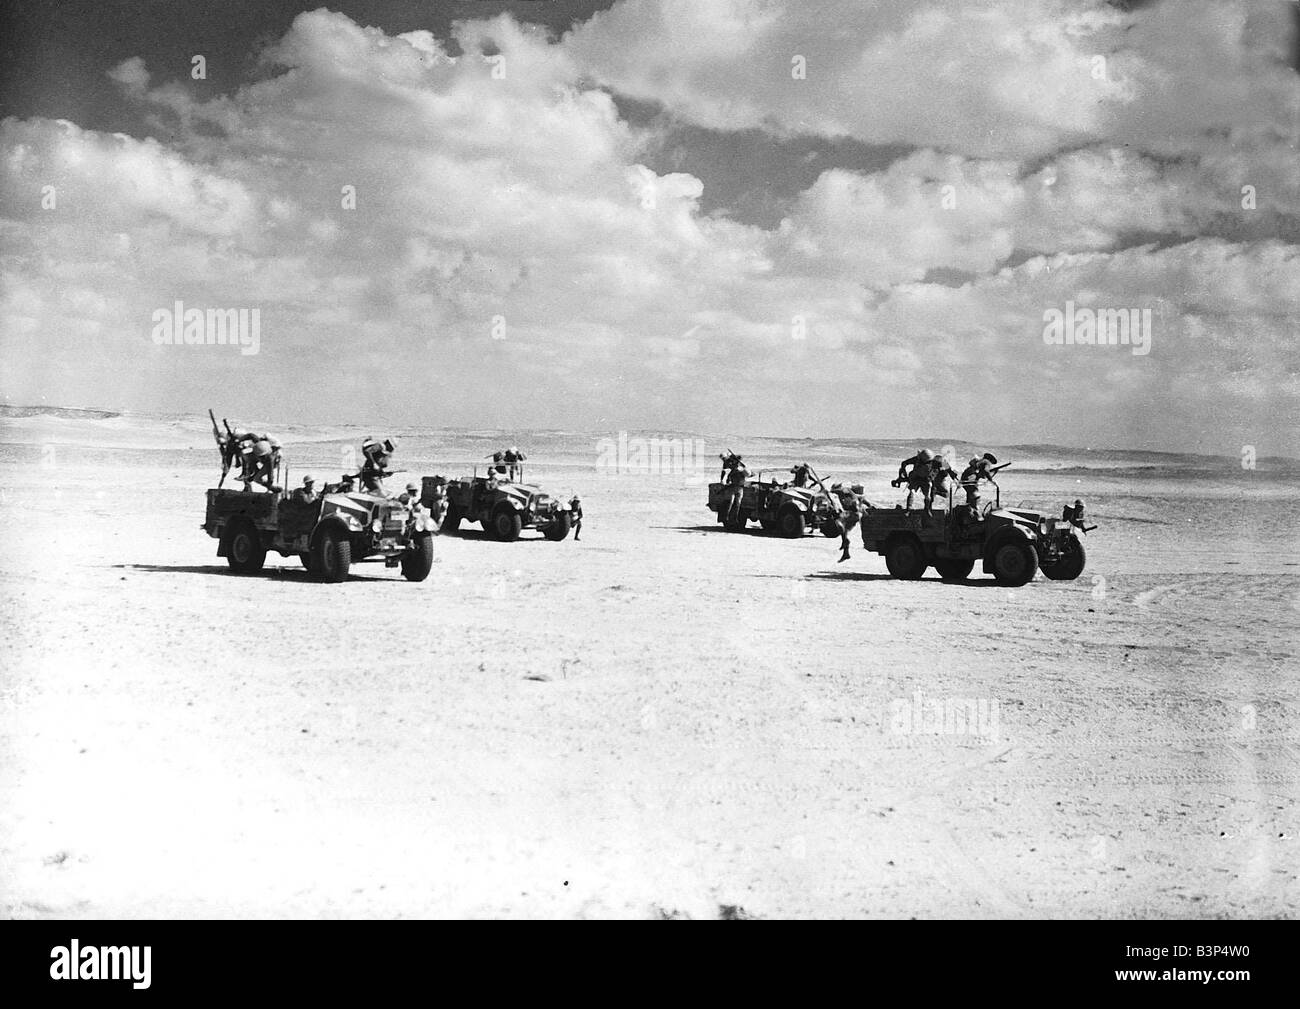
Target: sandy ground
{"points": [[663, 720]]}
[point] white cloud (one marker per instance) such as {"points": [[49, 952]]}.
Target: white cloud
{"points": [[521, 198]]}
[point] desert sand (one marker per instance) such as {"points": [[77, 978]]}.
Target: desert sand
{"points": [[662, 720]]}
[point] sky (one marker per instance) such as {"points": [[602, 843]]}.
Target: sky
{"points": [[807, 218]]}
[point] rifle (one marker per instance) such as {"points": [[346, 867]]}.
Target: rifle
{"points": [[835, 501], [222, 447]]}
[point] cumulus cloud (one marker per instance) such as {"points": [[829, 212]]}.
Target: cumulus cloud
{"points": [[478, 237]]}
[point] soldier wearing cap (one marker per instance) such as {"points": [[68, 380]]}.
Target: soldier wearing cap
{"points": [[801, 473]]}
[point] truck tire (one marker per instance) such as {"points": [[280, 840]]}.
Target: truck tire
{"points": [[1069, 565], [331, 556], [417, 562], [506, 524], [244, 550], [1014, 562], [769, 525], [306, 561], [559, 529], [905, 558], [450, 521], [735, 527], [791, 522], [830, 529], [953, 570]]}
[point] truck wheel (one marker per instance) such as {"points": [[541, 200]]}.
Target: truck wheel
{"points": [[450, 521], [953, 570], [1069, 565], [735, 527], [791, 522], [306, 561], [244, 550], [905, 559], [559, 529], [769, 525], [1014, 562], [331, 556], [506, 524], [417, 562], [830, 529]]}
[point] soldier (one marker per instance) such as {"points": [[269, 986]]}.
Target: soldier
{"points": [[1074, 514], [736, 475], [498, 464], [261, 461], [729, 462], [306, 494], [410, 496], [374, 468], [849, 517], [348, 484], [512, 458], [801, 474], [976, 470], [917, 477], [941, 472], [575, 510]]}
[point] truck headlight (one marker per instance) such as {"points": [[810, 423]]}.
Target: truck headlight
{"points": [[377, 526]]}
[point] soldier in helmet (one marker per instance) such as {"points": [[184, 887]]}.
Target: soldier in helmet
{"points": [[306, 494], [512, 457], [941, 472], [976, 470], [410, 496], [915, 473], [498, 465], [374, 468], [802, 473], [261, 461], [575, 510]]}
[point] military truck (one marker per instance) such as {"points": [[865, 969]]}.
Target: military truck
{"points": [[777, 506], [1010, 543], [328, 534], [503, 507]]}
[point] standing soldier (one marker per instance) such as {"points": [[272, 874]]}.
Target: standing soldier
{"points": [[512, 458], [801, 474], [736, 474], [575, 510]]}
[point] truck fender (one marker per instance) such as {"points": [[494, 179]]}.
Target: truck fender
{"points": [[333, 522]]}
